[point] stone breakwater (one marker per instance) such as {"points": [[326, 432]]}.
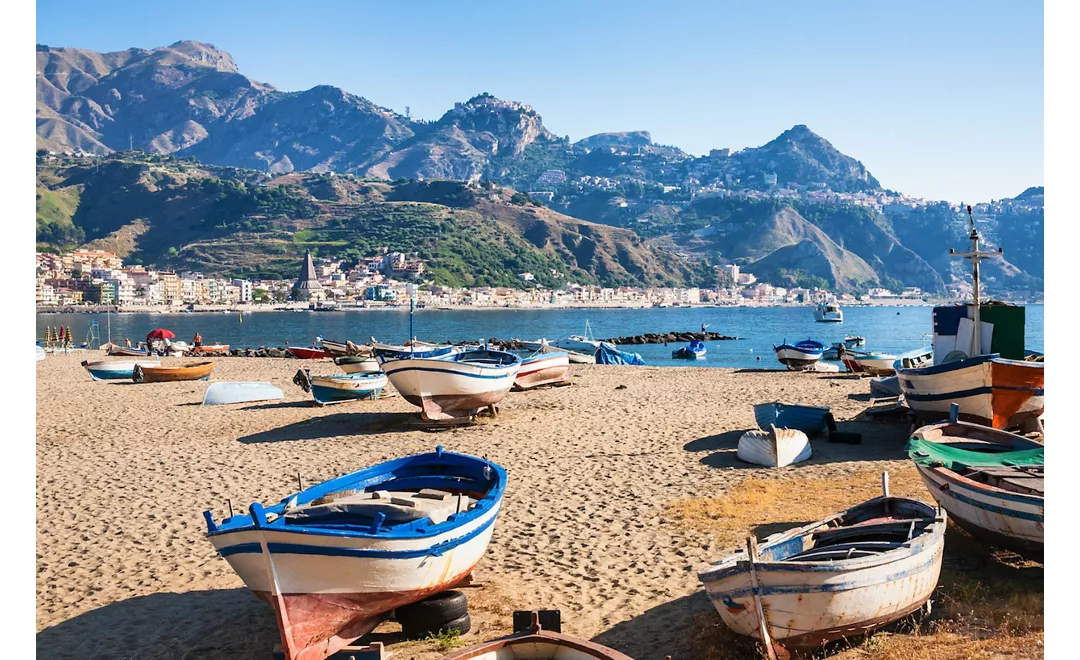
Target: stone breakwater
{"points": [[668, 338]]}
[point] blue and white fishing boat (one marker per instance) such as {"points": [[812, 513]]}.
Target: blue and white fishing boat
{"points": [[387, 352], [800, 354], [339, 388], [920, 357], [453, 385], [241, 392], [333, 559], [116, 369], [990, 481], [978, 363], [843, 576], [808, 419], [695, 350]]}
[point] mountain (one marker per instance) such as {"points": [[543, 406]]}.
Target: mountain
{"points": [[171, 212], [801, 156]]}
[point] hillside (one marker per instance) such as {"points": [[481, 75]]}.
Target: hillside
{"points": [[170, 212]]}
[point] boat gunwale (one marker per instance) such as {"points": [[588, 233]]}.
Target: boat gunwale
{"points": [[369, 475], [592, 649]]}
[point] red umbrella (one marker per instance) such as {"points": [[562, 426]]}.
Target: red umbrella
{"points": [[160, 333]]}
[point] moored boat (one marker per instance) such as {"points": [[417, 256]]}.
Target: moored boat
{"points": [[339, 388], [828, 312], [867, 362], [852, 341], [240, 392], [840, 577], [171, 373], [695, 350], [357, 364], [990, 481], [333, 559], [453, 385], [920, 357], [540, 368], [308, 353], [800, 354], [584, 344], [536, 643], [806, 418], [978, 361], [773, 447], [116, 369]]}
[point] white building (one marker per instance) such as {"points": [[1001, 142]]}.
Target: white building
{"points": [[245, 290]]}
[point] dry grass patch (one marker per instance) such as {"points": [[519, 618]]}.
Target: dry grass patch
{"points": [[945, 646], [759, 502]]}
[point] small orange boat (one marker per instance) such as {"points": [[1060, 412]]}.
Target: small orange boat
{"points": [[166, 374]]}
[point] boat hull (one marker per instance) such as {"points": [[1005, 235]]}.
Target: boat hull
{"points": [[114, 349], [308, 353], [443, 388], [1010, 520], [875, 365], [328, 390], [237, 392], [794, 358], [159, 374], [216, 348], [363, 366], [580, 358], [808, 419], [541, 644], [543, 369], [774, 448], [989, 390]]}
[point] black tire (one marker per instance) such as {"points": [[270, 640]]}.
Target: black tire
{"points": [[137, 374], [461, 625], [430, 613]]}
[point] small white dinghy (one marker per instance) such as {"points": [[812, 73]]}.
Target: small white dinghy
{"points": [[223, 393], [774, 447], [846, 575]]}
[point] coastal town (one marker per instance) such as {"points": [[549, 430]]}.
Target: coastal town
{"points": [[89, 280]]}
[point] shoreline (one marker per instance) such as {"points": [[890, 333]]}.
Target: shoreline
{"points": [[261, 309]]}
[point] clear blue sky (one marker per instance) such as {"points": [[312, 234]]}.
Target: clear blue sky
{"points": [[938, 99]]}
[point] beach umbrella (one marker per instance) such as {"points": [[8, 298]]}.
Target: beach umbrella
{"points": [[160, 333]]}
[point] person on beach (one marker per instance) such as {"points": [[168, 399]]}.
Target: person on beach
{"points": [[127, 342], [197, 339]]}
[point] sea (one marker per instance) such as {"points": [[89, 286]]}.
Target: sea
{"points": [[886, 328]]}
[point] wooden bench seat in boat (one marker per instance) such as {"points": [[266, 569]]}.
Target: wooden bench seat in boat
{"points": [[887, 528], [1015, 479], [397, 507]]}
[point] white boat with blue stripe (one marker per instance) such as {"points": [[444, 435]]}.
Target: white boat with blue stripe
{"points": [[843, 576], [388, 352], [454, 385], [116, 369], [799, 355], [990, 481], [332, 560]]}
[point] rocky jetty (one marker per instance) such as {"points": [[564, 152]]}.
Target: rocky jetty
{"points": [[668, 338]]}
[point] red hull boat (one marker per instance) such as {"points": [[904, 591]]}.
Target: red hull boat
{"points": [[309, 353]]}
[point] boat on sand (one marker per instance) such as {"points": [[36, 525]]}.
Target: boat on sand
{"points": [[240, 392], [457, 385], [172, 373]]}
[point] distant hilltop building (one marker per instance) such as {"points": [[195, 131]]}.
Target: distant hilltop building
{"points": [[307, 286]]}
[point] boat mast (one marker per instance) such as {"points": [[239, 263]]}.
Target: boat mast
{"points": [[975, 256]]}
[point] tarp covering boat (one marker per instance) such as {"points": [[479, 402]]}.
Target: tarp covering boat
{"points": [[933, 454], [606, 354]]}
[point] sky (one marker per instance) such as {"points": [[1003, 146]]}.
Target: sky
{"points": [[942, 100]]}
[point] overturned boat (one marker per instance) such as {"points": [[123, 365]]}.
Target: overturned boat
{"points": [[333, 559], [990, 481], [224, 393], [843, 576], [801, 416], [773, 447]]}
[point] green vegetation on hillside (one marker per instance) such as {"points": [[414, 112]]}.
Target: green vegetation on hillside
{"points": [[55, 209]]}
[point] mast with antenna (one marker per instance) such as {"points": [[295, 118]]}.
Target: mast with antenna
{"points": [[975, 256]]}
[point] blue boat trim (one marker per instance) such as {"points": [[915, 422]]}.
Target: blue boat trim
{"points": [[449, 371], [1011, 513], [240, 548], [954, 482], [963, 394], [969, 362]]}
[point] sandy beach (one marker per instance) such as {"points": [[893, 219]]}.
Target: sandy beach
{"points": [[598, 475]]}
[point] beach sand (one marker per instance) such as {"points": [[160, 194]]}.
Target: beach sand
{"points": [[124, 472]]}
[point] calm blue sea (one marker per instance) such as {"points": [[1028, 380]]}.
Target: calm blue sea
{"points": [[890, 329]]}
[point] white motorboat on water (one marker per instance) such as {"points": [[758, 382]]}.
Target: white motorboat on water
{"points": [[828, 312], [585, 344]]}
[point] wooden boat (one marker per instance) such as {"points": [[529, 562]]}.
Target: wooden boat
{"points": [[341, 388], [867, 362], [695, 350], [308, 353], [583, 344], [920, 357], [535, 643], [828, 313], [852, 341], [773, 447], [333, 347], [455, 385], [990, 481], [800, 354], [540, 368], [116, 369], [358, 364], [116, 349], [808, 419], [212, 348], [843, 576], [979, 361], [388, 352], [240, 392], [333, 559], [546, 347], [172, 373]]}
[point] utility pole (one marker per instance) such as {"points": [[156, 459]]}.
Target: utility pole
{"points": [[975, 256]]}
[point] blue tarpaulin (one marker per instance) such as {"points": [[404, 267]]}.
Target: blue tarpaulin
{"points": [[606, 354]]}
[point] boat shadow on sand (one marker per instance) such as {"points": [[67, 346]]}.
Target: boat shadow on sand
{"points": [[338, 424], [880, 442], [210, 625]]}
